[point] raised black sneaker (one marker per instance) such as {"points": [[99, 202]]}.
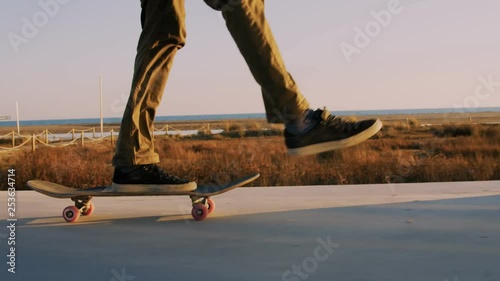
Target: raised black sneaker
{"points": [[148, 178], [330, 132]]}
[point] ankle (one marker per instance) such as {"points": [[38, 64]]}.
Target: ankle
{"points": [[302, 124]]}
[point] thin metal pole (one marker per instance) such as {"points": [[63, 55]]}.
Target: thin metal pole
{"points": [[100, 95]]}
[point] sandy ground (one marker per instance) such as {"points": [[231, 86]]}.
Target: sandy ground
{"points": [[433, 231]]}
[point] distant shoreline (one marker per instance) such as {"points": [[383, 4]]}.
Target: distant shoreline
{"points": [[254, 116], [486, 117]]}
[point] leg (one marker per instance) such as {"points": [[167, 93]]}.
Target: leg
{"points": [[306, 131], [248, 26], [162, 35]]}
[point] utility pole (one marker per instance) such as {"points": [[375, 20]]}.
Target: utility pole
{"points": [[100, 102]]}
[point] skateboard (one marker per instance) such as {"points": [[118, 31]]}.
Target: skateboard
{"points": [[200, 197]]}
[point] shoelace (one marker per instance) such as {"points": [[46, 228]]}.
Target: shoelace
{"points": [[336, 121], [157, 170]]}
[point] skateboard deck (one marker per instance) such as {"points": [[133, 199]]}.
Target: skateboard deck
{"points": [[200, 197]]}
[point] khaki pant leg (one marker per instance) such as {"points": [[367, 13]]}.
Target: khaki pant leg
{"points": [[163, 33], [248, 26]]}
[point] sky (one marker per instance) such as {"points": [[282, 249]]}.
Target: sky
{"points": [[344, 54]]}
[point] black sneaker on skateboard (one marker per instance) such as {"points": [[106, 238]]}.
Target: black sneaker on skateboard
{"points": [[144, 177]]}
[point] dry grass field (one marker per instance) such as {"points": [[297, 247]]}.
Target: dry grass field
{"points": [[397, 154]]}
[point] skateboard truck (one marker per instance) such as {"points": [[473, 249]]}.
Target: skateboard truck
{"points": [[82, 202]]}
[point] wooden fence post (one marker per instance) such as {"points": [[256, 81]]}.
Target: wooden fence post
{"points": [[93, 132], [33, 143], [13, 139], [73, 134], [47, 136], [112, 132], [83, 139]]}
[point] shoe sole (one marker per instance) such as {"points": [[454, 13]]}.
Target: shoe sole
{"points": [[148, 188], [333, 145]]}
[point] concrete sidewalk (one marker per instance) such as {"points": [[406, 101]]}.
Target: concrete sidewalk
{"points": [[435, 231]]}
